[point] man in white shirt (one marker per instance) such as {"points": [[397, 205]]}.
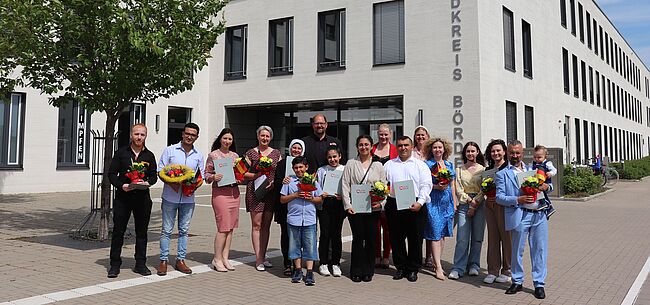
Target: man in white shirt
{"points": [[407, 223]]}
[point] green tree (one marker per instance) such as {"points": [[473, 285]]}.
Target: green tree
{"points": [[106, 54]]}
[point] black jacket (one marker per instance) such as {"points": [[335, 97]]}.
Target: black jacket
{"points": [[121, 162], [316, 150]]}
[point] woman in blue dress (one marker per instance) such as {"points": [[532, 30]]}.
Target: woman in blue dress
{"points": [[441, 209]]}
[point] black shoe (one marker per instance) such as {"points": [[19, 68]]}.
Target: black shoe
{"points": [[514, 288], [142, 270], [356, 278], [113, 272], [399, 274], [412, 276], [539, 293], [367, 278]]}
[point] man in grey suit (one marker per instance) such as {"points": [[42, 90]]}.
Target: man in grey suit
{"points": [[524, 220]]}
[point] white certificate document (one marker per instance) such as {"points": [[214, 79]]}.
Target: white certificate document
{"points": [[225, 167], [332, 183], [404, 194], [360, 197], [288, 168]]}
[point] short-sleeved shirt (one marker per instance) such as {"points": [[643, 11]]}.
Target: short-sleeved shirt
{"points": [[300, 211], [175, 154]]}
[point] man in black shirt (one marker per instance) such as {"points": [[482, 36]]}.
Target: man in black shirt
{"points": [[317, 143], [130, 200]]}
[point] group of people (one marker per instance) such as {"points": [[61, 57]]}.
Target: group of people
{"points": [[511, 217]]}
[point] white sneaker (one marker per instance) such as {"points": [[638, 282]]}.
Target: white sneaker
{"points": [[473, 271], [268, 264], [323, 270], [502, 279], [336, 271], [489, 279], [260, 267], [453, 275]]}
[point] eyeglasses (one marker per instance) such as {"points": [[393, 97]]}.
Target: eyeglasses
{"points": [[319, 123]]}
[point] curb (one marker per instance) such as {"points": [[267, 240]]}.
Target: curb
{"points": [[585, 199], [634, 180]]}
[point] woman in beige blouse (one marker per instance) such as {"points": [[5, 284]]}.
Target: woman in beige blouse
{"points": [[471, 213], [362, 170]]}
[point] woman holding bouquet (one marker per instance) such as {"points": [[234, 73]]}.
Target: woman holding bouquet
{"points": [[362, 170], [471, 212], [441, 209], [296, 148], [225, 200], [263, 160], [383, 151], [499, 242]]}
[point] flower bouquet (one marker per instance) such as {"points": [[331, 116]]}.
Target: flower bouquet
{"points": [[189, 186], [175, 173], [265, 164], [378, 192], [488, 187], [136, 171], [307, 183], [442, 175], [530, 186]]}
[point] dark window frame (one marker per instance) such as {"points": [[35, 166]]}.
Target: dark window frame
{"points": [[527, 48], [75, 109], [377, 31], [529, 122], [509, 57], [563, 13], [511, 109], [339, 38], [565, 71], [228, 57], [283, 68], [4, 159]]}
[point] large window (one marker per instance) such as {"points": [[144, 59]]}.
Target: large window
{"points": [[508, 39], [529, 116], [527, 48], [236, 48], [388, 33], [581, 23], [588, 23], [331, 40], [72, 136], [578, 144], [572, 5], [591, 85], [281, 46], [177, 117], [12, 130], [575, 75], [583, 69], [511, 121], [565, 70]]}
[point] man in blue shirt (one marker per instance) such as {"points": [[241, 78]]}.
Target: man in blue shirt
{"points": [[301, 222], [173, 200]]}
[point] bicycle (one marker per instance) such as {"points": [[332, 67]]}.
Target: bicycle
{"points": [[608, 174]]}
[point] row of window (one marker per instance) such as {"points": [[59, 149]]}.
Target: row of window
{"points": [[388, 41], [509, 43], [511, 124], [593, 139], [604, 46], [599, 90]]}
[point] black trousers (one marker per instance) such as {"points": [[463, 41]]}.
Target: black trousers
{"points": [[364, 227], [330, 219], [122, 209], [284, 243], [405, 225]]}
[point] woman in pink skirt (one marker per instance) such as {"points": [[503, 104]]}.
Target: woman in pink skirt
{"points": [[225, 200]]}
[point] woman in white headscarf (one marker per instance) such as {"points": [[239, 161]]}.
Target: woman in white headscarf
{"points": [[296, 148]]}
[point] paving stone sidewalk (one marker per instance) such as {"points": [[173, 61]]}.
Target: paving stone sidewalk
{"points": [[596, 250]]}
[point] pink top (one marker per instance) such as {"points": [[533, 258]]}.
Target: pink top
{"points": [[209, 165]]}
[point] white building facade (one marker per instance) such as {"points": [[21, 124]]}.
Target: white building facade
{"points": [[551, 72]]}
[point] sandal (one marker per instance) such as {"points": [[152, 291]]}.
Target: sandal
{"points": [[428, 263], [287, 271]]}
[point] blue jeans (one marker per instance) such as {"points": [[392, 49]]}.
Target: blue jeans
{"points": [[302, 242], [469, 239], [169, 211]]}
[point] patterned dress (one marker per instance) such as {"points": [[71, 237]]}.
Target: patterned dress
{"points": [[252, 203], [440, 211]]}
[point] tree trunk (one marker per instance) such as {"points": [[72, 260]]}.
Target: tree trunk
{"points": [[105, 210]]}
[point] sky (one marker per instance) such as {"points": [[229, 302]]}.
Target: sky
{"points": [[632, 19]]}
